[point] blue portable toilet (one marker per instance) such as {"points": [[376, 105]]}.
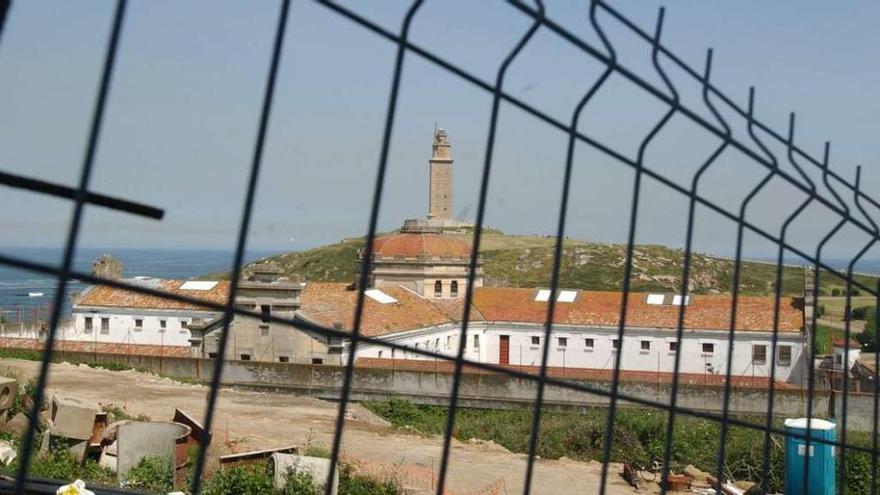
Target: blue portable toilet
{"points": [[822, 458]]}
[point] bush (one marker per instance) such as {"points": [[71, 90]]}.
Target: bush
{"points": [[250, 479], [861, 313], [868, 337], [300, 483], [836, 292], [351, 483], [820, 310], [151, 474], [61, 465]]}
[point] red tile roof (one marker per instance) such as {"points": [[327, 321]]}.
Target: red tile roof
{"points": [[853, 344], [105, 296], [329, 303], [414, 244], [706, 312]]}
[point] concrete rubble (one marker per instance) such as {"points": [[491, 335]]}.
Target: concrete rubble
{"points": [[71, 424], [7, 453], [17, 426], [255, 456], [317, 467], [8, 391], [137, 440]]}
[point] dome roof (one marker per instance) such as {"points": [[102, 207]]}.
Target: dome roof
{"points": [[412, 244]]}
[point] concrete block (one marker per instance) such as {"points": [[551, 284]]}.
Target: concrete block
{"points": [[8, 390], [72, 418], [7, 453], [17, 426], [77, 448], [139, 439], [317, 467]]}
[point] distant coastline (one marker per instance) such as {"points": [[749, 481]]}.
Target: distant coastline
{"points": [[18, 286]]}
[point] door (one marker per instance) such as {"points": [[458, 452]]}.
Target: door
{"points": [[503, 349]]}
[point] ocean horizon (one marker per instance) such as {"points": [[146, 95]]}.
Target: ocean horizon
{"points": [[18, 287]]}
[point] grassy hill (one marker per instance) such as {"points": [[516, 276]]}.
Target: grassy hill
{"points": [[526, 261]]}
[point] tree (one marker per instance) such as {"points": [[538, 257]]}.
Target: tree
{"points": [[868, 337]]}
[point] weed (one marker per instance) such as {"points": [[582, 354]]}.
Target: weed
{"points": [[151, 474]]}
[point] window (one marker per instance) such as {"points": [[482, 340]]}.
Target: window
{"points": [[379, 355], [212, 355], [536, 340], [105, 326], [673, 347], [448, 341], [645, 345], [436, 343], [285, 359], [615, 344], [138, 324], [317, 361], [163, 324], [245, 357], [183, 323], [708, 348], [759, 354], [563, 341], [438, 289], [265, 313], [476, 342], [453, 288], [783, 358], [88, 324], [589, 343]]}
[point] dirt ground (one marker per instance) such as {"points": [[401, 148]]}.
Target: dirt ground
{"points": [[249, 420]]}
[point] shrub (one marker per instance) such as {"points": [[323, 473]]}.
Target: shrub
{"points": [[250, 479], [351, 483], [61, 465], [861, 312], [151, 474], [868, 337], [300, 483]]}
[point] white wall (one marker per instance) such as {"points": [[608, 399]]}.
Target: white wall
{"points": [[852, 356], [576, 354], [123, 330]]}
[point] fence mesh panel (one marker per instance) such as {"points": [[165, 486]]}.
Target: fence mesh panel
{"points": [[726, 115]]}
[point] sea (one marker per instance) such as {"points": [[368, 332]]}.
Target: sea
{"points": [[31, 294]]}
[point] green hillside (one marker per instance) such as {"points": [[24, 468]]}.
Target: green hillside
{"points": [[526, 261]]}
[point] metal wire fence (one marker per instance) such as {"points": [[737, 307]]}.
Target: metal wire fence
{"points": [[829, 198]]}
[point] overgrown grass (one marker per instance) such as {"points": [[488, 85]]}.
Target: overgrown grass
{"points": [[257, 479], [151, 474], [639, 437], [825, 335]]}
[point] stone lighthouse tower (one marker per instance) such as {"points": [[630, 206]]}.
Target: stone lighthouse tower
{"points": [[440, 185]]}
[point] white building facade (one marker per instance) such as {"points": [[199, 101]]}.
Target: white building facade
{"points": [[104, 314], [644, 349]]}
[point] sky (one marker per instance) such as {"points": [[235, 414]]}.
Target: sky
{"points": [[185, 97]]}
